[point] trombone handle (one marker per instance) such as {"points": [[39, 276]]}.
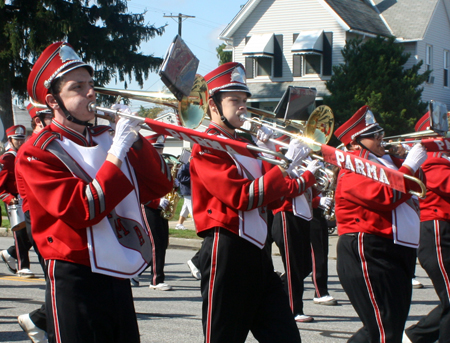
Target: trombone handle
{"points": [[423, 189]]}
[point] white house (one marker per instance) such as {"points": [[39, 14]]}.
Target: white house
{"points": [[291, 42]]}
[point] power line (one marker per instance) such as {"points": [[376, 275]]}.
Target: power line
{"points": [[180, 20]]}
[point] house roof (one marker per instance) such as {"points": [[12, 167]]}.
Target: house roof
{"points": [[408, 19], [404, 19], [360, 16]]}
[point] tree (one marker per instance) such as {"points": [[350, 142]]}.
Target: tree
{"points": [[223, 56], [373, 74], [101, 32], [150, 112]]}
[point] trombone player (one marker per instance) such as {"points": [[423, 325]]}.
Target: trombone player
{"points": [[433, 251], [84, 188], [378, 231], [230, 194]]}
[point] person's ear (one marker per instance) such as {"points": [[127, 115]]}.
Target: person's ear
{"points": [[51, 101]]}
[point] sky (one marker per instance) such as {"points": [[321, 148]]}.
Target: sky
{"points": [[200, 33]]}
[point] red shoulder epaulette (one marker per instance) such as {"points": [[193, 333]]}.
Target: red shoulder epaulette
{"points": [[44, 137]]}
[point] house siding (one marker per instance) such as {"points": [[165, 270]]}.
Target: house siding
{"points": [[310, 15], [435, 36]]}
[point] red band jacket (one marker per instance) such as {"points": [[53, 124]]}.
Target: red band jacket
{"points": [[219, 192], [8, 186], [62, 205], [364, 205], [436, 205]]}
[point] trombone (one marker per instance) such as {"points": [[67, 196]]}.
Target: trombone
{"points": [[318, 128], [190, 111]]}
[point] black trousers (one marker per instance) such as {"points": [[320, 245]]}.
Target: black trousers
{"points": [[38, 316], [376, 275], [86, 307], [242, 293], [434, 256], [319, 253], [159, 237], [291, 235], [21, 248]]}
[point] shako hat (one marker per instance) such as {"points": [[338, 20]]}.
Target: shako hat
{"points": [[229, 77], [56, 60], [423, 123], [16, 132], [362, 123], [34, 111]]}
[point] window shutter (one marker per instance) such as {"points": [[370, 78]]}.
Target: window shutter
{"points": [[327, 53], [248, 63], [249, 68], [278, 56], [297, 65]]}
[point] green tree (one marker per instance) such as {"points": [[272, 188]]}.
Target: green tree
{"points": [[223, 56], [102, 32], [150, 112], [373, 74]]}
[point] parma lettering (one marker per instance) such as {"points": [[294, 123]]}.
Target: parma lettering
{"points": [[358, 166]]}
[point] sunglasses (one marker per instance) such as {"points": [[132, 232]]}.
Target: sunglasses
{"points": [[375, 135]]}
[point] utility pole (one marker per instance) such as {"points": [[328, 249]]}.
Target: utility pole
{"points": [[180, 19]]}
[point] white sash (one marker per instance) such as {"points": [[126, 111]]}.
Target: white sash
{"points": [[252, 224], [108, 255], [405, 217]]}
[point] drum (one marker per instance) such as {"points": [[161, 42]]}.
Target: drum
{"points": [[16, 217]]}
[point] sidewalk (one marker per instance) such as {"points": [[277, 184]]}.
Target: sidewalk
{"points": [[179, 243], [195, 244]]}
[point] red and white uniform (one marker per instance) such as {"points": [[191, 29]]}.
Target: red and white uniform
{"points": [[229, 196], [363, 205], [8, 186], [369, 263], [72, 205], [222, 191], [434, 248]]}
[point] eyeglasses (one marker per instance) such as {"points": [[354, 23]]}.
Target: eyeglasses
{"points": [[375, 135]]}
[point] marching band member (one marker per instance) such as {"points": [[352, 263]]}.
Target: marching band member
{"points": [[158, 229], [378, 232], [35, 322], [89, 228], [290, 232], [240, 290], [10, 196], [434, 246], [319, 250]]}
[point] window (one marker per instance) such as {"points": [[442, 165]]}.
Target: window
{"points": [[307, 64], [263, 66], [446, 67], [429, 61], [263, 55]]}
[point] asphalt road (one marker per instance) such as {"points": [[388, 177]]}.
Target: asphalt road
{"points": [[175, 316]]}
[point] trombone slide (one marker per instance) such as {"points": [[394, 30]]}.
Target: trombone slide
{"points": [[202, 138]]}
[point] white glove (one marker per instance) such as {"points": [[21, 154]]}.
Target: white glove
{"points": [[313, 166], [297, 152], [416, 156], [326, 203], [126, 133], [263, 135], [163, 203]]}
